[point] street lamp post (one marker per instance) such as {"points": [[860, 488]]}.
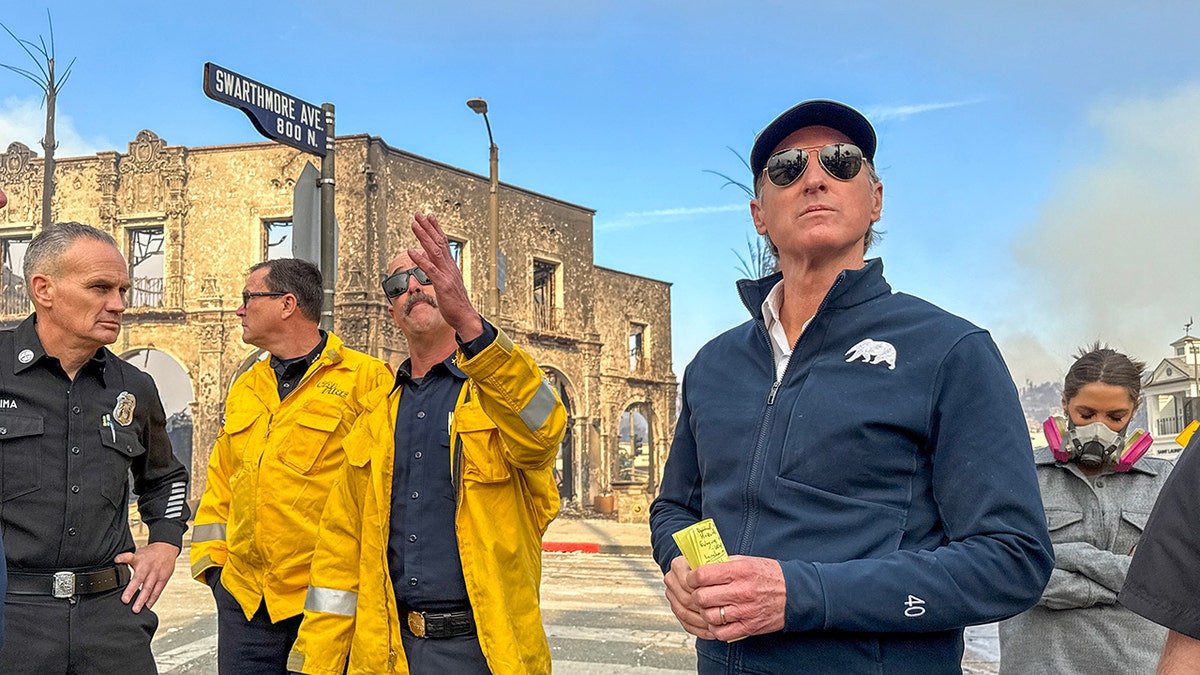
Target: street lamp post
{"points": [[480, 106], [1195, 388]]}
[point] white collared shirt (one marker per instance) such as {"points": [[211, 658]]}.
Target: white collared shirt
{"points": [[781, 349]]}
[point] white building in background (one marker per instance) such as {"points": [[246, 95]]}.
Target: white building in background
{"points": [[1171, 397]]}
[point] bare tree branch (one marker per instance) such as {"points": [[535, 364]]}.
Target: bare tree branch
{"points": [[25, 45], [50, 22], [50, 87], [760, 259], [21, 71], [729, 181]]}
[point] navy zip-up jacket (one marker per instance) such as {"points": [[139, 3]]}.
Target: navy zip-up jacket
{"points": [[889, 471]]}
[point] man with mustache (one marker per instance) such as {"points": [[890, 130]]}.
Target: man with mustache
{"points": [[448, 483], [277, 455], [75, 422]]}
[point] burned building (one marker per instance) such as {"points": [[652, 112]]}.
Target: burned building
{"points": [[192, 220]]}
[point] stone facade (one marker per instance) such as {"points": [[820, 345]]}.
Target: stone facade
{"points": [[212, 206]]}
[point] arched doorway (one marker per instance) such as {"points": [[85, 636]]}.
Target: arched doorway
{"points": [[175, 390], [564, 462], [635, 447]]}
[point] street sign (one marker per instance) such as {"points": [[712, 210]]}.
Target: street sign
{"points": [[306, 219], [275, 114], [306, 216]]}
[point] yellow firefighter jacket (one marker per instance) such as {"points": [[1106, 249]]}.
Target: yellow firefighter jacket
{"points": [[507, 425], [269, 475]]}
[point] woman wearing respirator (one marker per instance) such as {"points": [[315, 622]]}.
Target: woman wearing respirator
{"points": [[1098, 490]]}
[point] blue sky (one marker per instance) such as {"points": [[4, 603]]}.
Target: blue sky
{"points": [[1038, 158]]}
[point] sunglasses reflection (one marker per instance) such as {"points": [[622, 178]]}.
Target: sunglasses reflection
{"points": [[842, 161]]}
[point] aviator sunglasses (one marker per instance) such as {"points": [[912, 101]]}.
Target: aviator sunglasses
{"points": [[843, 161], [397, 284]]}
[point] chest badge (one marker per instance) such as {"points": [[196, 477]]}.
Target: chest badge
{"points": [[871, 351], [25, 356], [123, 411]]}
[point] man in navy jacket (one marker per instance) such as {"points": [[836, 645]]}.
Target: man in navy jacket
{"points": [[862, 452], [3, 567]]}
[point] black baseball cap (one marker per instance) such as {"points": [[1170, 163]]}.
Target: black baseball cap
{"points": [[817, 113]]}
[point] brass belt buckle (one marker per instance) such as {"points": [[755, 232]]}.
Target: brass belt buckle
{"points": [[416, 623], [64, 584]]}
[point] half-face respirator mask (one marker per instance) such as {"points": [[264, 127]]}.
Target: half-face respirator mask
{"points": [[1095, 446]]}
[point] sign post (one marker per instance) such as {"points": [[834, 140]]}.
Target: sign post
{"points": [[328, 224], [296, 123], [306, 215]]}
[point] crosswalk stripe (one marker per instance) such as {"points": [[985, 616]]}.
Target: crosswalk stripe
{"points": [[624, 610], [581, 668], [659, 638], [185, 654]]}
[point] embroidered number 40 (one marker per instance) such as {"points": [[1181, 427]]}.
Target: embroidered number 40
{"points": [[914, 607]]}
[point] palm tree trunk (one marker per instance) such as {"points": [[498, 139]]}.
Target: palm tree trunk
{"points": [[48, 145]]}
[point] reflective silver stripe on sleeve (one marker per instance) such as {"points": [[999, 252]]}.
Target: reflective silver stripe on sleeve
{"points": [[208, 532], [330, 601], [504, 341], [535, 413], [176, 499]]}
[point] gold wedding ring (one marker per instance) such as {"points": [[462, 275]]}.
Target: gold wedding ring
{"points": [[723, 619]]}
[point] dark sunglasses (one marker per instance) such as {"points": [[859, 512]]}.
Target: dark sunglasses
{"points": [[843, 161], [397, 284]]}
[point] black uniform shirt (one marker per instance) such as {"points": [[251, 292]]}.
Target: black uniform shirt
{"points": [[1161, 582], [423, 557], [289, 372], [66, 451]]}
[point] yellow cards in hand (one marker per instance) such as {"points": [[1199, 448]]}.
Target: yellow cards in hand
{"points": [[701, 544]]}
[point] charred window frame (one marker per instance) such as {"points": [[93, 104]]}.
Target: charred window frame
{"points": [[147, 266], [14, 298]]}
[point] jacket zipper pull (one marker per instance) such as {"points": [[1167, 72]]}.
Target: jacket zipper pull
{"points": [[774, 388]]}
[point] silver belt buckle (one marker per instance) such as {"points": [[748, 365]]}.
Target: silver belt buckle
{"points": [[64, 584]]}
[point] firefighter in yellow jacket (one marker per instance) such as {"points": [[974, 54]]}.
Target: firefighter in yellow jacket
{"points": [[429, 556], [274, 462]]}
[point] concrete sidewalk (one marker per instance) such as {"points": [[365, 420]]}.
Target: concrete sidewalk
{"points": [[597, 535]]}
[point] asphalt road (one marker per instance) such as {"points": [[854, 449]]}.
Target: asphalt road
{"points": [[604, 615]]}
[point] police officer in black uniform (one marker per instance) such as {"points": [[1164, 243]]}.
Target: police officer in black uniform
{"points": [[75, 423], [3, 570]]}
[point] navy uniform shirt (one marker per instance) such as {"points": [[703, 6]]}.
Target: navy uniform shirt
{"points": [[423, 556], [66, 451]]}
